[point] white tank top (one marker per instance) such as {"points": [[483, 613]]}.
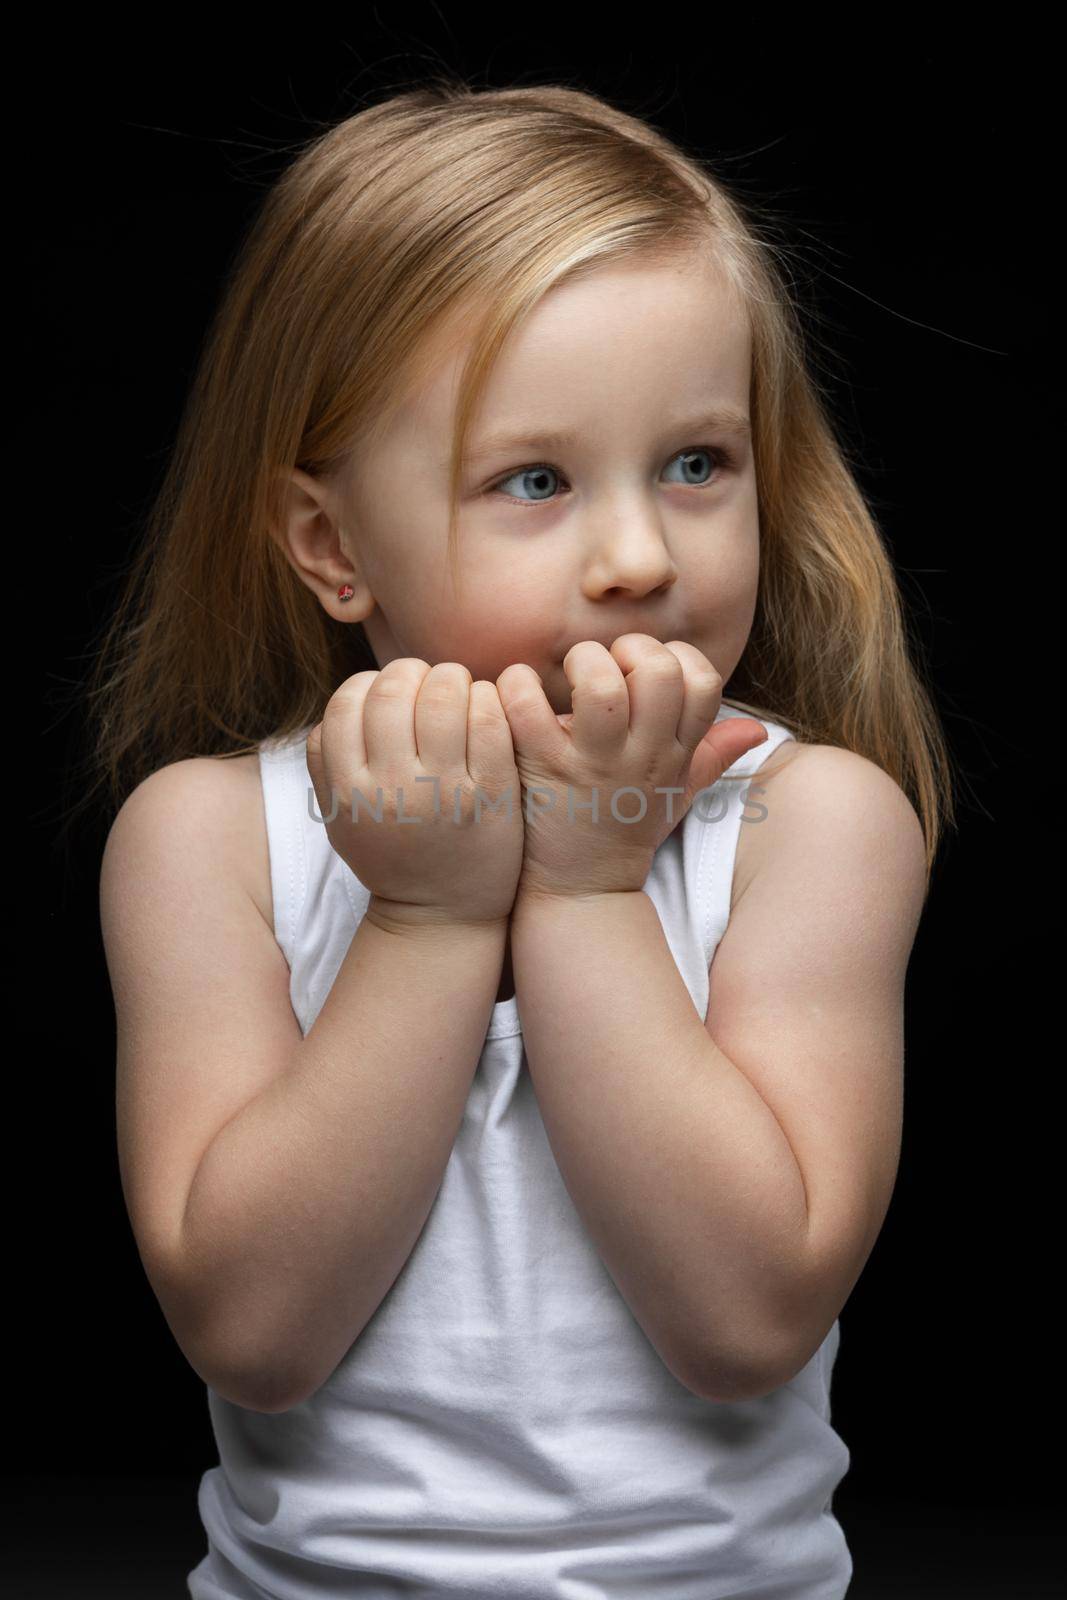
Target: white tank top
{"points": [[503, 1427]]}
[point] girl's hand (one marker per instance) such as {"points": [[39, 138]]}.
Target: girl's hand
{"points": [[460, 861], [642, 719]]}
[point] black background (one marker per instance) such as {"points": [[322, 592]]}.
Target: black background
{"points": [[900, 162]]}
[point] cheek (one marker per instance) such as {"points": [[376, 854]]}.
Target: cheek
{"points": [[491, 628], [729, 566]]}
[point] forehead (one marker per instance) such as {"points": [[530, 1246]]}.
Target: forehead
{"points": [[657, 323]]}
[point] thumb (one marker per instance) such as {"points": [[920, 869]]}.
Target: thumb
{"points": [[723, 744]]}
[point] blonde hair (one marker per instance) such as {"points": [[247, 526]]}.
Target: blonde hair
{"points": [[436, 199]]}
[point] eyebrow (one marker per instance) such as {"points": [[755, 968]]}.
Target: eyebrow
{"points": [[719, 419]]}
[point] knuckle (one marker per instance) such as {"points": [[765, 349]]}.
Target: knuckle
{"points": [[391, 686], [705, 682], [400, 676], [352, 689], [663, 664], [601, 688], [484, 717], [445, 682], [521, 705], [407, 663], [341, 703], [485, 710]]}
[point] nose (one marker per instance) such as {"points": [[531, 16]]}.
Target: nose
{"points": [[628, 557]]}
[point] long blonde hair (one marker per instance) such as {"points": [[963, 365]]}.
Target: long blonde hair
{"points": [[437, 198]]}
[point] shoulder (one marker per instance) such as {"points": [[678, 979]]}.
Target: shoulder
{"points": [[821, 801], [209, 805]]}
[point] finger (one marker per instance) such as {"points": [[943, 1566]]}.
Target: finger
{"points": [[600, 705], [389, 715], [342, 750], [490, 748], [656, 685], [702, 697], [313, 756], [441, 718], [530, 717], [726, 742]]}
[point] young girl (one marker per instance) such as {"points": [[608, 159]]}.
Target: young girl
{"points": [[509, 1083]]}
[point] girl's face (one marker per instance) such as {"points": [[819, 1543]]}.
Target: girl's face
{"points": [[605, 491]]}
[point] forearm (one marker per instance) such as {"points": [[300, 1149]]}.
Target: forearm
{"points": [[307, 1204], [681, 1173]]}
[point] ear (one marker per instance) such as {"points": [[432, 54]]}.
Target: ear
{"points": [[318, 550]]}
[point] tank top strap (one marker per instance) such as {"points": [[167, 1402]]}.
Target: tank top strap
{"points": [[722, 810], [283, 776]]}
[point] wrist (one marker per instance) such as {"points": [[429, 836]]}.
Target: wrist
{"points": [[532, 897], [395, 916]]}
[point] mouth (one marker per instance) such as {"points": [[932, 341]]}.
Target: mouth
{"points": [[608, 639]]}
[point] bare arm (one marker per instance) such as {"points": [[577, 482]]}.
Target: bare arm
{"points": [[734, 1174], [306, 1205], [276, 1184]]}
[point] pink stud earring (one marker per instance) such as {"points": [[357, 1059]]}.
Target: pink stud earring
{"points": [[345, 592]]}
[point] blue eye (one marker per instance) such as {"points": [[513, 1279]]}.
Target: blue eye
{"points": [[699, 450], [538, 474], [542, 473]]}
